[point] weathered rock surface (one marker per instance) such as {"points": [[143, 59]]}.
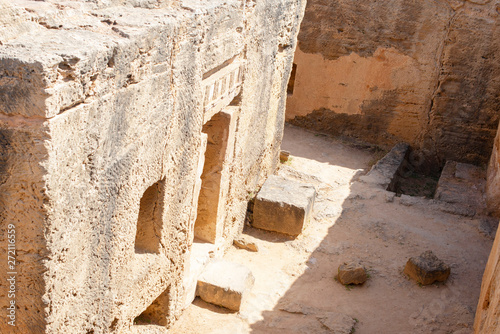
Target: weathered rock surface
{"points": [[333, 322], [488, 307], [244, 242], [384, 171], [464, 185], [103, 107], [493, 179], [284, 155], [351, 273], [338, 323], [225, 284], [422, 72], [427, 269], [200, 255], [283, 205]]}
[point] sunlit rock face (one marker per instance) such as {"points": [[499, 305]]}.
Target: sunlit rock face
{"points": [[424, 72], [113, 116], [486, 320]]}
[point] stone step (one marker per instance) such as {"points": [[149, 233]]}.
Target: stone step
{"points": [[225, 284], [283, 205], [199, 257]]}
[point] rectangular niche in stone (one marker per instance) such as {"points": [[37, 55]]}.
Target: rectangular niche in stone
{"points": [[149, 221], [218, 130], [157, 313]]}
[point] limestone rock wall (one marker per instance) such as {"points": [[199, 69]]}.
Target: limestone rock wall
{"points": [[23, 218], [424, 72], [488, 307], [493, 179], [102, 106], [486, 320]]}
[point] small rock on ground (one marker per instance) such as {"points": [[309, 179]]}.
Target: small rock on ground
{"points": [[352, 273], [427, 269], [243, 242], [284, 155]]}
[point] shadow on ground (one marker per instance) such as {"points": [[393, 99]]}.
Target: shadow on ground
{"points": [[357, 221], [295, 289]]}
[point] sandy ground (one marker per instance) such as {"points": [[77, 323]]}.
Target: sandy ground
{"points": [[295, 289]]}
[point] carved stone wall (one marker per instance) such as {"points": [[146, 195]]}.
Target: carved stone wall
{"points": [[425, 72], [102, 108]]}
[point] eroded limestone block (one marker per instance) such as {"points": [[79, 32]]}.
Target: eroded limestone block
{"points": [[383, 173], [427, 269], [283, 205], [243, 242], [464, 185], [225, 284], [352, 273], [284, 156]]}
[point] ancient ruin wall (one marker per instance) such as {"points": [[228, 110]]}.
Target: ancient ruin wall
{"points": [[101, 117], [424, 72]]}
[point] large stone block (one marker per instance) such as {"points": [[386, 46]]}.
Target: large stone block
{"points": [[225, 284], [283, 205]]}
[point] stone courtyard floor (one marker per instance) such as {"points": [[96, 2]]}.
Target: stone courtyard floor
{"points": [[295, 289]]}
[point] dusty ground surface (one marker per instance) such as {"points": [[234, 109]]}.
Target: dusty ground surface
{"points": [[295, 289]]}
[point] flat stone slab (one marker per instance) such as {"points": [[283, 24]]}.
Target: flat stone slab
{"points": [[334, 322], [338, 323], [462, 184], [427, 269], [352, 273], [283, 205], [225, 284]]}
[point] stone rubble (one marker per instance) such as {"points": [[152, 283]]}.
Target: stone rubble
{"points": [[427, 269], [351, 273]]}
